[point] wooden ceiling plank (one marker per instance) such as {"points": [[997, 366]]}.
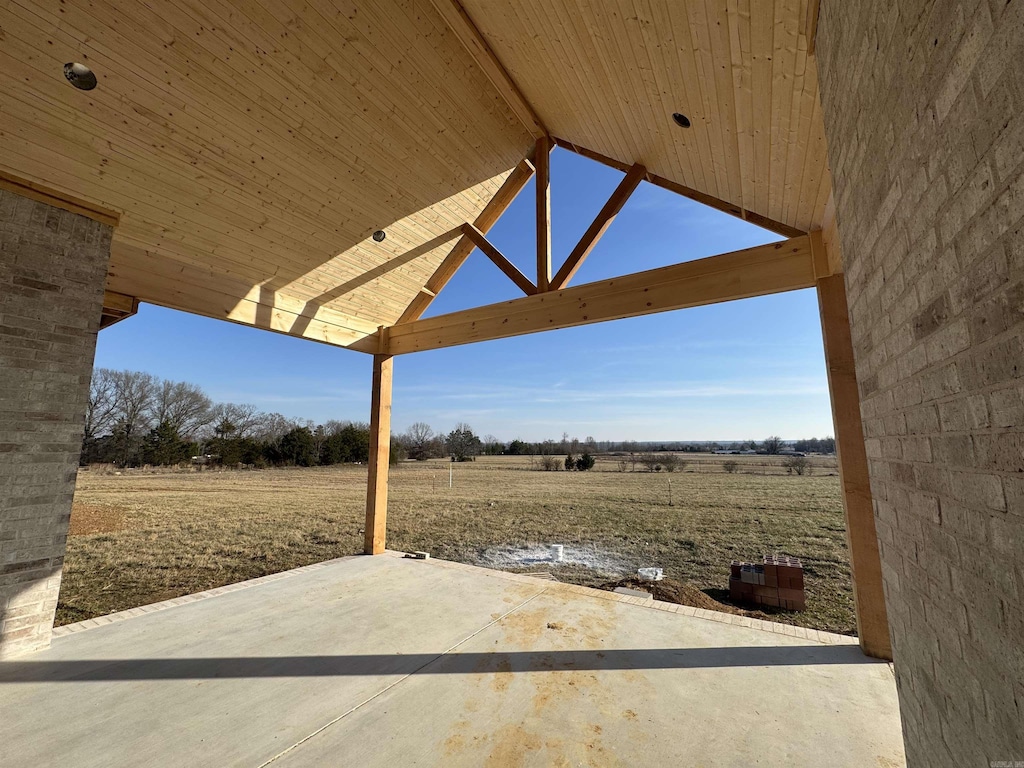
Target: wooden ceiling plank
{"points": [[598, 227], [511, 271], [466, 31], [427, 73], [332, 249], [794, 151], [783, 66], [753, 272], [762, 33], [159, 93], [364, 90], [679, 84], [488, 216], [719, 53], [741, 66]]}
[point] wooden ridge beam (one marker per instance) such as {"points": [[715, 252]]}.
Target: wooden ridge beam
{"points": [[598, 227], [500, 261], [765, 269], [466, 31], [542, 159], [502, 199], [688, 192]]}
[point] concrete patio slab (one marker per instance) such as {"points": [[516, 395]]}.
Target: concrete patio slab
{"points": [[386, 661]]}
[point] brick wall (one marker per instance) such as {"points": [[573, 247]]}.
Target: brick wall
{"points": [[53, 266], [924, 113]]}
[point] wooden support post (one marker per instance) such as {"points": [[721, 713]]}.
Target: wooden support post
{"points": [[380, 454], [865, 563], [542, 161]]}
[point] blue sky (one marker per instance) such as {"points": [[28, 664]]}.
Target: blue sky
{"points": [[741, 370]]}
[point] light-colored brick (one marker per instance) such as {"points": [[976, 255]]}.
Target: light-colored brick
{"points": [[51, 281], [926, 148]]}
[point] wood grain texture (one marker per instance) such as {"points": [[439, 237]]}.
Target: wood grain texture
{"points": [[259, 143], [375, 532], [608, 75], [865, 563], [262, 141], [766, 269]]}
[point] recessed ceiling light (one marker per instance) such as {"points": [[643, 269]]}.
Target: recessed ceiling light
{"points": [[80, 76], [681, 120], [379, 235]]}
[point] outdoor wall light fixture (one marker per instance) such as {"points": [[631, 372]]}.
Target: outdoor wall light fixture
{"points": [[379, 235], [681, 120], [80, 76]]}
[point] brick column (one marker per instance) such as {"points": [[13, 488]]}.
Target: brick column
{"points": [[53, 266], [924, 116]]}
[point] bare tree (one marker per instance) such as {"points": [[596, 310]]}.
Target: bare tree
{"points": [[797, 464], [244, 418], [671, 462], [134, 397], [419, 441], [652, 461], [271, 427], [99, 412], [772, 445], [183, 406], [633, 449]]}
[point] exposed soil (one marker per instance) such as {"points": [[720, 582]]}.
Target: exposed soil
{"points": [[681, 593]]}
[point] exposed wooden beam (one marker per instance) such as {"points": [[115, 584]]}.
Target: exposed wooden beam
{"points": [[117, 307], [865, 562], [811, 24], [680, 189], [57, 199], [766, 269], [542, 159], [490, 251], [598, 227], [491, 213], [380, 454], [466, 31], [830, 236]]}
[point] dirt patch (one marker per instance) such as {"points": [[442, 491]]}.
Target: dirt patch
{"points": [[92, 518], [681, 593]]}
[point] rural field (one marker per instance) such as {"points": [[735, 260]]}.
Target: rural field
{"points": [[138, 536]]}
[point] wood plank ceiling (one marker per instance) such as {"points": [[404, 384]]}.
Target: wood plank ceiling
{"points": [[251, 147], [609, 74]]}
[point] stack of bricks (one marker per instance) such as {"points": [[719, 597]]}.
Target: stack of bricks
{"points": [[777, 582]]}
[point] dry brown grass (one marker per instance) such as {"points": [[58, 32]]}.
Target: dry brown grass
{"points": [[138, 538]]}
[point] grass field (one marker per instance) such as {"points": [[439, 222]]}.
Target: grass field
{"points": [[139, 537]]}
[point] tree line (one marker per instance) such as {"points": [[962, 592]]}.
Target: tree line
{"points": [[134, 418]]}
